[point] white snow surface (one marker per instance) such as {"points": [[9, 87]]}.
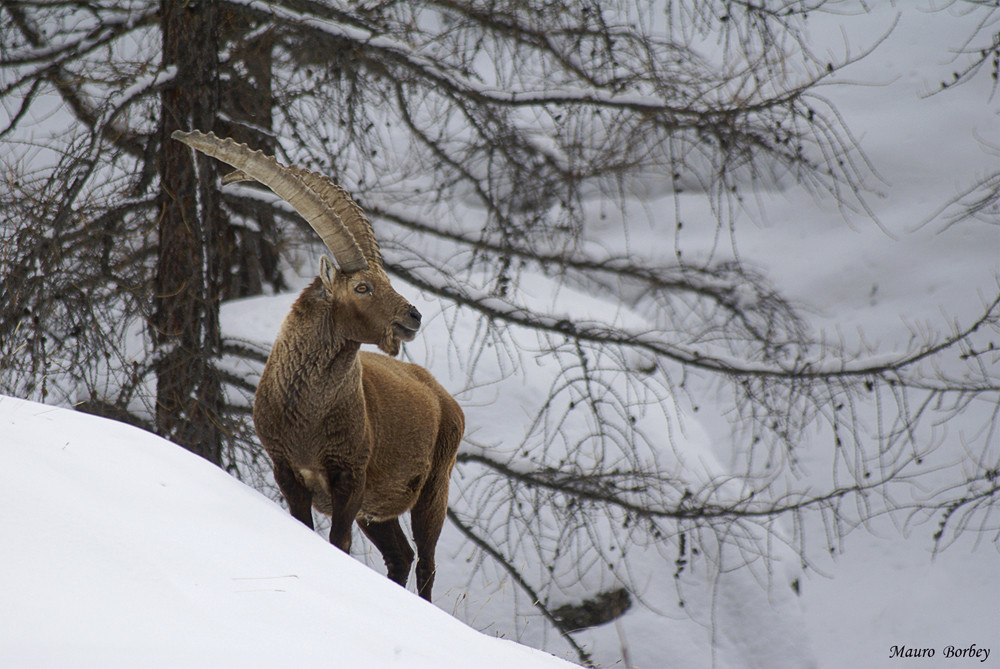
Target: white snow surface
{"points": [[122, 549]]}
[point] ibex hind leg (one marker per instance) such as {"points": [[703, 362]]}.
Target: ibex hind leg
{"points": [[428, 514], [427, 518], [296, 494], [389, 539]]}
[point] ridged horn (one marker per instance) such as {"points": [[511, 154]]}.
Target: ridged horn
{"points": [[326, 207]]}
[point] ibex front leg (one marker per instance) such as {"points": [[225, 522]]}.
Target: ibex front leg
{"points": [[346, 492], [296, 494]]}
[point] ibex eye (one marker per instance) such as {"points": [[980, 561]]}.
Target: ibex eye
{"points": [[362, 288]]}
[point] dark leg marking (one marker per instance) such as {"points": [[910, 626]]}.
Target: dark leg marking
{"points": [[346, 491], [296, 494]]}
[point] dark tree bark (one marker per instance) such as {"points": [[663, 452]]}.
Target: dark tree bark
{"points": [[192, 239]]}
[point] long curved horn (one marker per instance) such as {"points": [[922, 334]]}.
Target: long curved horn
{"points": [[352, 215], [316, 198]]}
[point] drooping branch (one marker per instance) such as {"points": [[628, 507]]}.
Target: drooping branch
{"points": [[54, 70], [536, 599], [776, 122], [651, 342], [606, 489]]}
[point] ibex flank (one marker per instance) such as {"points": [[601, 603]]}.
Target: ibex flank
{"points": [[357, 435]]}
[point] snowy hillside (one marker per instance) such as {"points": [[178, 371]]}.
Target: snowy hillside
{"points": [[124, 550]]}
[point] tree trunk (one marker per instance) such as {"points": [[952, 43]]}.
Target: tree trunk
{"points": [[192, 234]]}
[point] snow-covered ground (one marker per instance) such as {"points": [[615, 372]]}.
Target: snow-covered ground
{"points": [[122, 549]]}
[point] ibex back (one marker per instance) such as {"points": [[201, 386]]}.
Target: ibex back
{"points": [[356, 435]]}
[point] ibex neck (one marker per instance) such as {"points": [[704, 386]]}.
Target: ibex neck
{"points": [[311, 358], [331, 368]]}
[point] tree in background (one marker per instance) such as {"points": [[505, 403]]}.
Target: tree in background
{"points": [[487, 140], [121, 227]]}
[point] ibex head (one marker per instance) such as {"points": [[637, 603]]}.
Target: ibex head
{"points": [[368, 310]]}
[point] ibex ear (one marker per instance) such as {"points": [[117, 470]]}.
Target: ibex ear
{"points": [[327, 272]]}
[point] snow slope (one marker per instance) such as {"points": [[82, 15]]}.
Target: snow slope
{"points": [[124, 550]]}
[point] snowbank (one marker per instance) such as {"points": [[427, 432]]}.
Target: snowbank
{"points": [[124, 550]]}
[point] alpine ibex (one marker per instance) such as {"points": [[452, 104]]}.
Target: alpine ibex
{"points": [[356, 435]]}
